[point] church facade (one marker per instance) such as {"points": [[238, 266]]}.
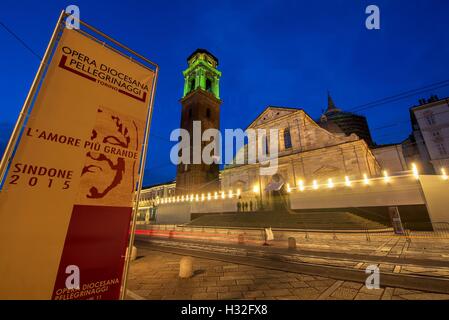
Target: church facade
{"points": [[307, 152]]}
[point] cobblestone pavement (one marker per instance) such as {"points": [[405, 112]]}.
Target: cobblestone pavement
{"points": [[404, 267], [422, 245], [154, 275]]}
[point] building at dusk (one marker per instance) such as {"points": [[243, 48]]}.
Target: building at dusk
{"points": [[306, 152], [338, 145], [430, 136]]}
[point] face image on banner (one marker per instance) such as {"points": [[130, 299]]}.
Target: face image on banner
{"points": [[108, 181], [109, 173]]}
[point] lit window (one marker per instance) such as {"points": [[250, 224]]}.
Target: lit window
{"points": [[287, 139]]}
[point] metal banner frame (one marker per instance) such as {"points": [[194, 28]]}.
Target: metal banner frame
{"points": [[28, 104]]}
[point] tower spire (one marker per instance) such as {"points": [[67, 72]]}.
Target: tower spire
{"points": [[331, 107]]}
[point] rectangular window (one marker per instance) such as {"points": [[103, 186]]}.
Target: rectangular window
{"points": [[267, 150], [430, 119], [441, 149], [287, 139]]}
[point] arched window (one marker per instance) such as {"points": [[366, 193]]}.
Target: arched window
{"points": [[208, 85], [190, 113], [208, 113], [267, 149], [287, 139], [192, 84]]}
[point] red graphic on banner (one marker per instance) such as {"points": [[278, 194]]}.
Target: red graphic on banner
{"points": [[96, 243]]}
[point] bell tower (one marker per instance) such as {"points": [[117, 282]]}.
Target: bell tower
{"points": [[200, 102]]}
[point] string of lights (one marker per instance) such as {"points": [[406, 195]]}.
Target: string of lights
{"points": [[301, 187]]}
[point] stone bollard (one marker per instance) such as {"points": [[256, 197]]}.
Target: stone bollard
{"points": [[291, 243], [241, 239], [186, 267], [133, 253]]}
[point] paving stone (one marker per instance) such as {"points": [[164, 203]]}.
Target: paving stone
{"points": [[288, 298], [142, 292], [204, 296], [199, 290], [397, 298], [183, 291], [374, 292], [277, 292], [209, 283], [246, 277], [344, 293], [217, 289], [425, 296], [153, 297], [183, 296], [364, 296], [210, 278], [321, 283], [388, 293], [226, 282], [306, 293], [238, 288], [352, 285], [279, 285], [400, 291], [258, 287], [299, 284], [244, 282], [253, 294], [230, 295]]}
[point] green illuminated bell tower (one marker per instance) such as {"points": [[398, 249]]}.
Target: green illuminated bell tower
{"points": [[200, 102], [202, 73]]}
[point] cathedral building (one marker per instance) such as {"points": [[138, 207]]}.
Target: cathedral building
{"points": [[306, 152]]}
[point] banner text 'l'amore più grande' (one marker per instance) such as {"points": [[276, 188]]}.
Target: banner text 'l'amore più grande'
{"points": [[68, 197]]}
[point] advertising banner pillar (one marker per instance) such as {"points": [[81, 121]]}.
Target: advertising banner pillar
{"points": [[67, 203]]}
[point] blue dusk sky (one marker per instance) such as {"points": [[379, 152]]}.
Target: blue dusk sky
{"points": [[282, 53]]}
